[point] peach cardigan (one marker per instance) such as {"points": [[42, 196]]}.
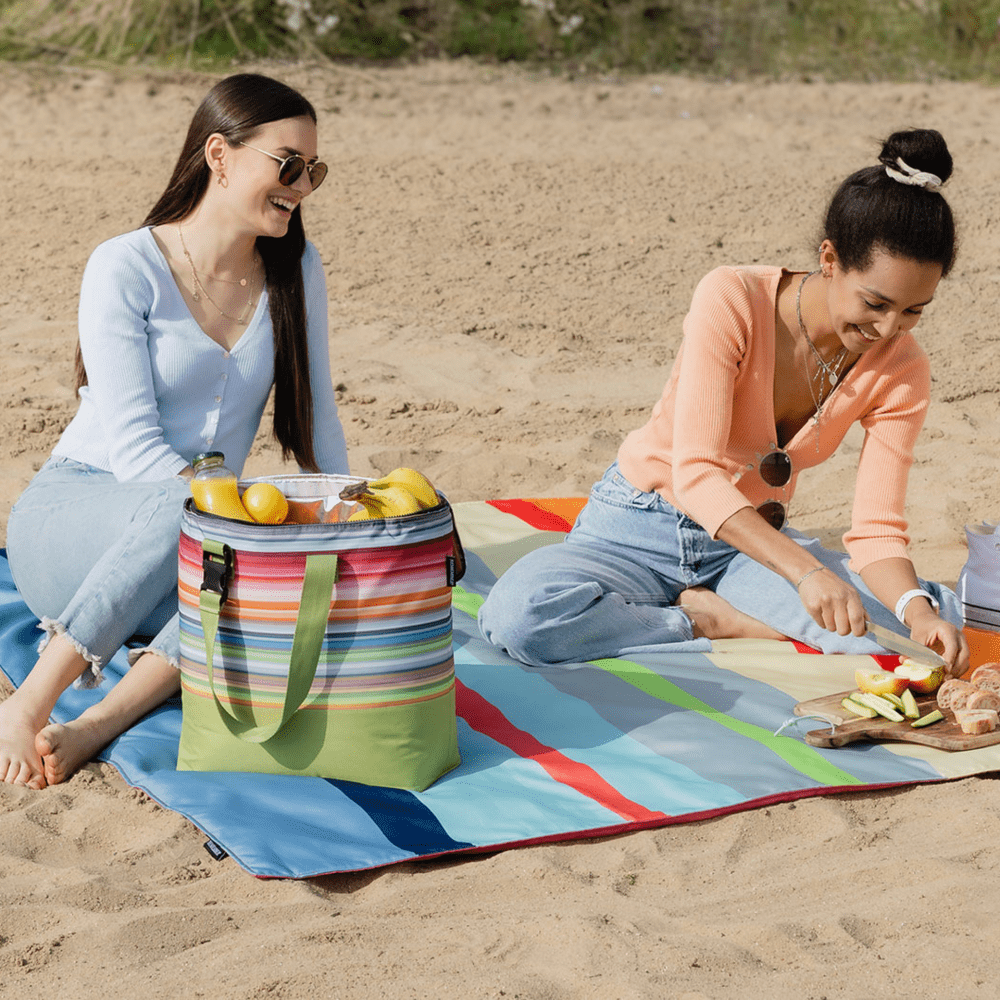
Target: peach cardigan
{"points": [[715, 420]]}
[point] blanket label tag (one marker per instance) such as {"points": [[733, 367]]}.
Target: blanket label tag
{"points": [[215, 850]]}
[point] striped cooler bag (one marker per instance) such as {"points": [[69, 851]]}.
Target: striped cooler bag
{"points": [[319, 648]]}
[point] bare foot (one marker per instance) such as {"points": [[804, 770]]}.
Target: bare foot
{"points": [[66, 747], [20, 762], [713, 617]]}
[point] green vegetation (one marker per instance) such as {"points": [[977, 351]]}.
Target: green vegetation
{"points": [[820, 39]]}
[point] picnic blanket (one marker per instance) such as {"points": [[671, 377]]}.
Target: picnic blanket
{"points": [[579, 750]]}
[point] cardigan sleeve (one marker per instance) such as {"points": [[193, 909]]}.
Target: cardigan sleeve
{"points": [[329, 444], [718, 330], [115, 300], [878, 525]]}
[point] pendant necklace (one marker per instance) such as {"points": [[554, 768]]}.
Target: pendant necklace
{"points": [[824, 382], [199, 288]]}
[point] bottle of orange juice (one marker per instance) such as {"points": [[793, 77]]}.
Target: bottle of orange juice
{"points": [[213, 487]]}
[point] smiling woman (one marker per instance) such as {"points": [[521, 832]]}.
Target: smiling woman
{"points": [[186, 324], [685, 539], [291, 166]]}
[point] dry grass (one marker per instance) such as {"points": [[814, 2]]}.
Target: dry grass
{"points": [[135, 30], [829, 39]]}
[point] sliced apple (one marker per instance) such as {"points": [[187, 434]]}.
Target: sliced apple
{"points": [[880, 681], [920, 678]]}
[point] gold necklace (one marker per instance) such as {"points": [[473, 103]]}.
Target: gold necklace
{"points": [[200, 289], [826, 371]]}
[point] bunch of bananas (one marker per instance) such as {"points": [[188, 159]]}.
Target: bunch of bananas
{"points": [[402, 491]]}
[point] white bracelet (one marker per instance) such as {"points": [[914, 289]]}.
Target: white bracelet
{"points": [[904, 601]]}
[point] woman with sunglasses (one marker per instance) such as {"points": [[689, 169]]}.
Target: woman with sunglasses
{"points": [[186, 324], [685, 537]]}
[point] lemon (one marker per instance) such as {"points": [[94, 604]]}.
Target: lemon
{"points": [[265, 503]]}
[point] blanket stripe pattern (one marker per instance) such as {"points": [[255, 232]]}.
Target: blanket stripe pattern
{"points": [[580, 750]]}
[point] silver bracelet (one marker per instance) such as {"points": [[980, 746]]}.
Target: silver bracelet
{"points": [[815, 569], [904, 601]]}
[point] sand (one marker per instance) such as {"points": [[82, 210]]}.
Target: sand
{"points": [[509, 256]]}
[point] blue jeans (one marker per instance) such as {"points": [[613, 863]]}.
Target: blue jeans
{"points": [[96, 559], [609, 588]]}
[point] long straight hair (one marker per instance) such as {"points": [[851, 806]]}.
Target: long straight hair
{"points": [[236, 108]]}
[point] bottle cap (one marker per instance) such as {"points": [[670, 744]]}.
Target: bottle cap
{"points": [[205, 456]]}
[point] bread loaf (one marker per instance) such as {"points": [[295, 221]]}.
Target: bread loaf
{"points": [[983, 698], [987, 676], [976, 722], [953, 694]]}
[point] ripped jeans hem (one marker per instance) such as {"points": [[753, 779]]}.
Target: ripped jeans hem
{"points": [[93, 673], [134, 654]]}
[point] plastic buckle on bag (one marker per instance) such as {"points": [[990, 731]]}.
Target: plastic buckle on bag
{"points": [[217, 568]]}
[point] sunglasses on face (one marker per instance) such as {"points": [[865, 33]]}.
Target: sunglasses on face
{"points": [[290, 168], [776, 470]]}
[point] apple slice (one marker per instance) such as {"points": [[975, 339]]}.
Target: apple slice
{"points": [[880, 681], [920, 678]]}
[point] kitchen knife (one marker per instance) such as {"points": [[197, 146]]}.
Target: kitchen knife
{"points": [[909, 648]]}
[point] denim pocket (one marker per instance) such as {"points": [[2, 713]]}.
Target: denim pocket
{"points": [[615, 489], [63, 463]]}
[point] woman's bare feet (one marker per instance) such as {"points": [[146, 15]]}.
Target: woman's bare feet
{"points": [[715, 618], [65, 748], [20, 762], [26, 712], [36, 753]]}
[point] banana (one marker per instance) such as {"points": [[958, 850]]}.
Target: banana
{"points": [[416, 482], [396, 501], [392, 501], [403, 491]]}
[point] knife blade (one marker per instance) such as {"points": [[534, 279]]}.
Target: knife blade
{"points": [[909, 648]]}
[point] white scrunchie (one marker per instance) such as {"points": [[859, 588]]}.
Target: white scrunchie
{"points": [[916, 178]]}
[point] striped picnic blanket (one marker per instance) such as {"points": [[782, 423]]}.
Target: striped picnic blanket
{"points": [[574, 751]]}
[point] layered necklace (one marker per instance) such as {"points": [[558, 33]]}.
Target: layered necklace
{"points": [[824, 381], [200, 290]]}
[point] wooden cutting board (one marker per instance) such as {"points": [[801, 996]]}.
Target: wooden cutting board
{"points": [[945, 735]]}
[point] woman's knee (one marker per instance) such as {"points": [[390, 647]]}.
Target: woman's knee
{"points": [[52, 551], [534, 622]]}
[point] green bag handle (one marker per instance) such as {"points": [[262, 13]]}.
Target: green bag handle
{"points": [[310, 630]]}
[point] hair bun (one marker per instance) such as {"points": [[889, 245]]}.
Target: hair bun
{"points": [[920, 148]]}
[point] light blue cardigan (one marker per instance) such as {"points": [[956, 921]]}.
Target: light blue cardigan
{"points": [[160, 390]]}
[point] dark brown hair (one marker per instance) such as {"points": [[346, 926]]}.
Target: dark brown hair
{"points": [[872, 211], [236, 108]]}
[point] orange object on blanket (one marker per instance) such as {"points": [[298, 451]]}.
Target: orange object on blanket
{"points": [[984, 646]]}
